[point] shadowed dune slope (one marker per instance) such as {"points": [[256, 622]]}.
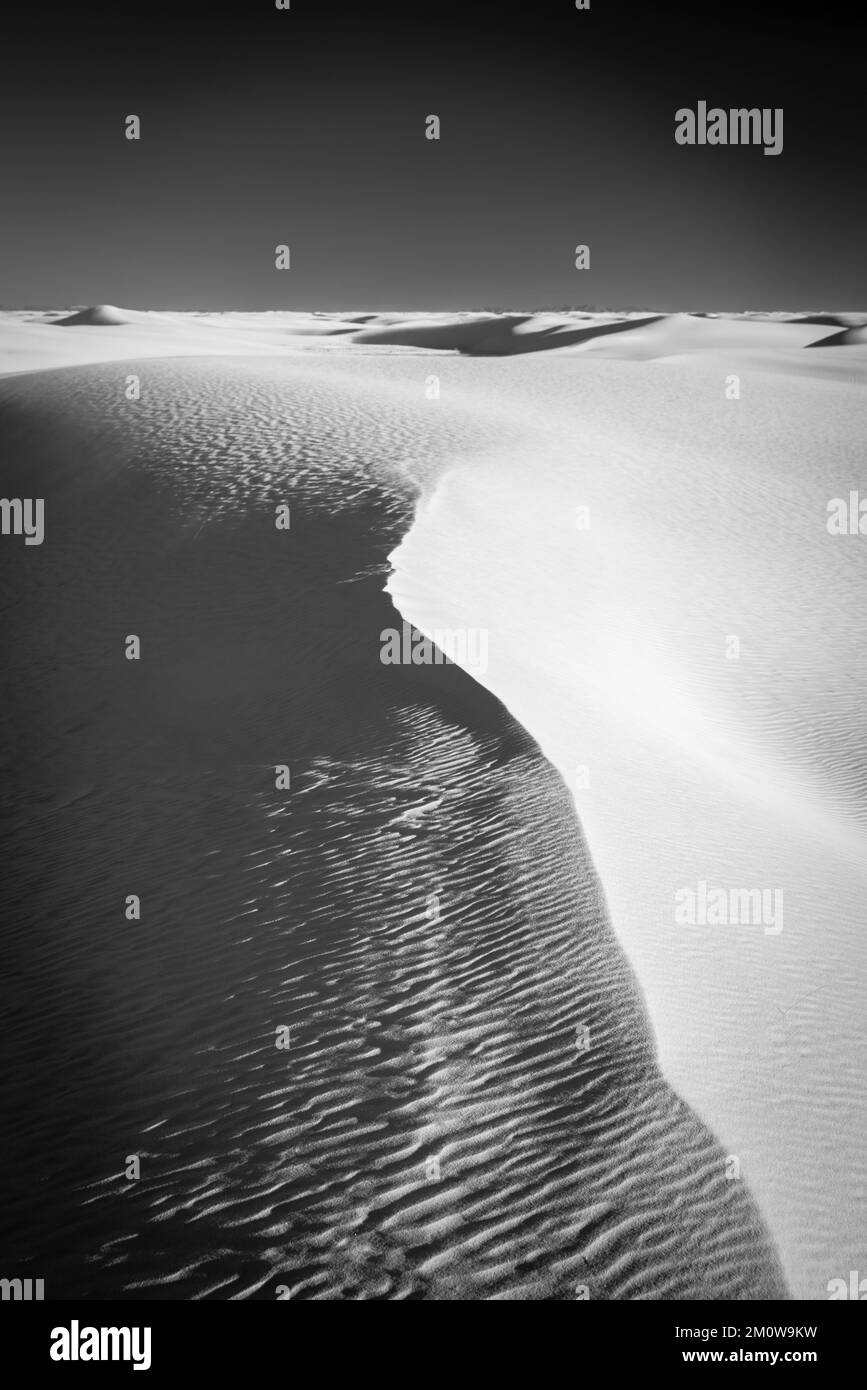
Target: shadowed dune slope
{"points": [[493, 336], [847, 337]]}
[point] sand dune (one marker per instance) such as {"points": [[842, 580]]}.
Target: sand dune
{"points": [[675, 334], [419, 1037], [832, 320], [847, 337], [32, 341], [707, 519], [498, 335], [416, 1039], [95, 316], [35, 342]]}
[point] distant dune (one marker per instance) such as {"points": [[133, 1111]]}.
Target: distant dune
{"points": [[96, 315], [29, 340], [499, 335], [833, 320], [847, 337]]}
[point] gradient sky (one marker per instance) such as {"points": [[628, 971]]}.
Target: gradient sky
{"points": [[307, 127]]}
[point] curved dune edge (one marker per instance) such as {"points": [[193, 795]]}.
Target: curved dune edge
{"points": [[416, 1035]]}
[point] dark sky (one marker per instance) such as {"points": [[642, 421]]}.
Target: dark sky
{"points": [[306, 126]]}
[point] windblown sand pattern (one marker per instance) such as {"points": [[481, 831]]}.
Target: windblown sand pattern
{"points": [[420, 909]]}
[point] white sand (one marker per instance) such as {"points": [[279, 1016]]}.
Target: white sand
{"points": [[708, 519]]}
